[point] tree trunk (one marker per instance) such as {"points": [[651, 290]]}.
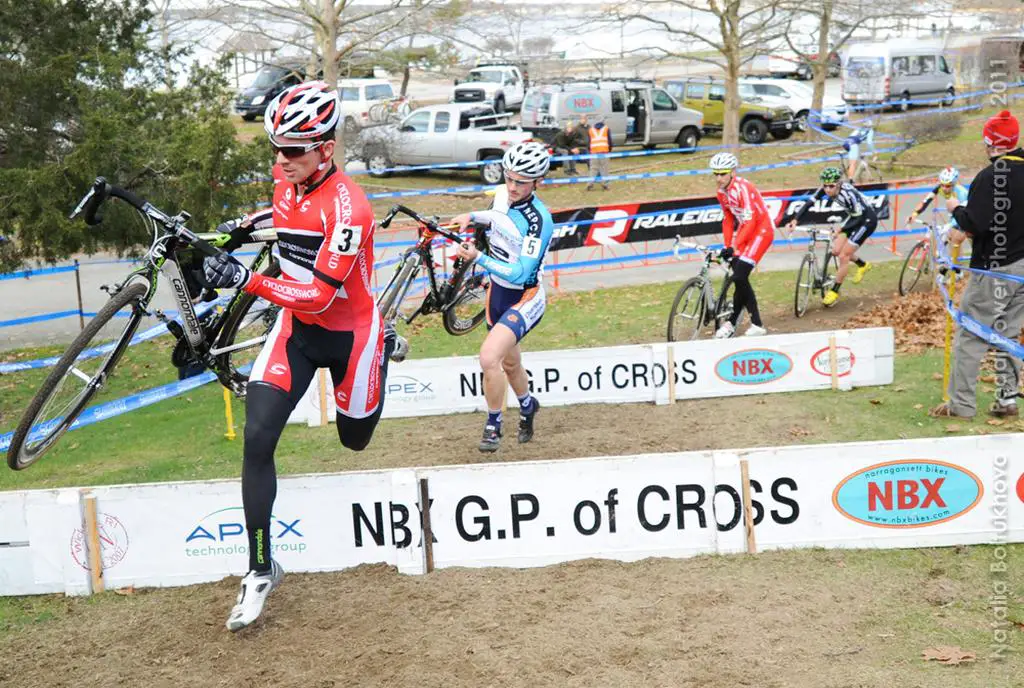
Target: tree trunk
{"points": [[820, 66], [728, 23], [326, 34]]}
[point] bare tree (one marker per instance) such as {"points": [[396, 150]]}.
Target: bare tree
{"points": [[741, 29]]}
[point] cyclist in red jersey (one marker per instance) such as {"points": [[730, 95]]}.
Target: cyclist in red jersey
{"points": [[329, 318], [748, 231]]}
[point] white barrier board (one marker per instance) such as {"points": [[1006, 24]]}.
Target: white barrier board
{"points": [[637, 373], [910, 493]]}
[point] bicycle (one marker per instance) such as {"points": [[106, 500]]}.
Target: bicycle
{"points": [[696, 305], [920, 260], [222, 341], [389, 111], [809, 276], [460, 299], [866, 171]]}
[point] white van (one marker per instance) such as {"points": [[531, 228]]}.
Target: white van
{"points": [[636, 112], [897, 72]]}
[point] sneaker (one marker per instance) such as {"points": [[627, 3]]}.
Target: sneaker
{"points": [[755, 331], [859, 275], [526, 423], [725, 331], [256, 586], [830, 298], [491, 439], [1000, 409]]}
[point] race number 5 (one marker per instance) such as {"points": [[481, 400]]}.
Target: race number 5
{"points": [[531, 247]]}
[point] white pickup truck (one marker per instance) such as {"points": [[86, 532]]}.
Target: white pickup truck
{"points": [[439, 134], [499, 85]]}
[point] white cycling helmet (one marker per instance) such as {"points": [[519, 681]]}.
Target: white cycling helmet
{"points": [[302, 115], [949, 175], [529, 159], [723, 161]]}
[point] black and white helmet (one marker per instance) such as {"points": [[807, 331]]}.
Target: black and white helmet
{"points": [[723, 161], [304, 113], [529, 159]]}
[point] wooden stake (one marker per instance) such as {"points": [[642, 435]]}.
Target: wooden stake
{"points": [[92, 544], [748, 507], [428, 532], [322, 382], [671, 374], [833, 362]]}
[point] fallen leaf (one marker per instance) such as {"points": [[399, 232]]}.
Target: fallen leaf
{"points": [[945, 654], [130, 590], [918, 406], [900, 389], [936, 376], [988, 378], [995, 421], [876, 402], [953, 427], [797, 431]]}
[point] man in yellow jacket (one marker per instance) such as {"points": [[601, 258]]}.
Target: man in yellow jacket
{"points": [[600, 144]]}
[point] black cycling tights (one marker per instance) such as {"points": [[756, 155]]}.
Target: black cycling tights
{"points": [[743, 296], [267, 409]]}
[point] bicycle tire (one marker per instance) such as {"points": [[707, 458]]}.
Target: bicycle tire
{"points": [[386, 303], [696, 285], [20, 455], [830, 261], [804, 285], [724, 304], [907, 283], [226, 365], [464, 290]]}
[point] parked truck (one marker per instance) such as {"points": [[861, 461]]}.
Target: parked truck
{"points": [[440, 134], [501, 85]]}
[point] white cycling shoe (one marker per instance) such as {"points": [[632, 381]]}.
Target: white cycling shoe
{"points": [[726, 330], [253, 595], [755, 331]]}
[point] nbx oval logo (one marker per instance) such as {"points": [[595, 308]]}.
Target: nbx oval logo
{"points": [[233, 525]]}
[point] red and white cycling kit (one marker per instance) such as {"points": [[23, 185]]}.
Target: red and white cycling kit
{"points": [[743, 205], [325, 248]]}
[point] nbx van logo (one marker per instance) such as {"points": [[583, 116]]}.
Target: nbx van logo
{"points": [[233, 525]]}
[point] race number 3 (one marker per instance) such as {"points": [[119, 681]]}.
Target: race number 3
{"points": [[531, 247], [345, 240]]}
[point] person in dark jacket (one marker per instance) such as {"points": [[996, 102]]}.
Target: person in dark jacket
{"points": [[567, 143], [994, 219]]}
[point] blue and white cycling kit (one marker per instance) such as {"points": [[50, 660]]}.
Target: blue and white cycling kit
{"points": [[518, 238]]}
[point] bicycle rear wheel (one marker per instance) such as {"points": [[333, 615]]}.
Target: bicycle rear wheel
{"points": [[686, 318], [468, 303], [75, 379], [246, 328], [915, 264], [804, 285]]}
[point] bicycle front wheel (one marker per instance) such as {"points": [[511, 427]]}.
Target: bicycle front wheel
{"points": [[915, 264], [389, 300], [829, 267], [804, 284], [468, 306], [76, 378], [686, 318], [246, 328]]}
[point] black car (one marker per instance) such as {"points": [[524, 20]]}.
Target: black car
{"points": [[270, 80]]}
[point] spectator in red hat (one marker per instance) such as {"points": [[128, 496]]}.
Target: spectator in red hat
{"points": [[994, 219]]}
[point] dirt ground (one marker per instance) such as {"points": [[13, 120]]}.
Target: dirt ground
{"points": [[707, 622]]}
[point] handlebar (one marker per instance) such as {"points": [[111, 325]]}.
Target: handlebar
{"points": [[429, 223], [100, 191]]}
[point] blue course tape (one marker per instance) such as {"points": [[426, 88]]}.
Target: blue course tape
{"points": [[36, 273], [37, 318], [966, 322], [117, 407], [151, 333]]}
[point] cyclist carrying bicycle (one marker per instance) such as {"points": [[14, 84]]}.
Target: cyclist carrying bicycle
{"points": [[518, 235], [861, 221], [329, 319], [947, 188], [865, 134], [747, 230]]}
